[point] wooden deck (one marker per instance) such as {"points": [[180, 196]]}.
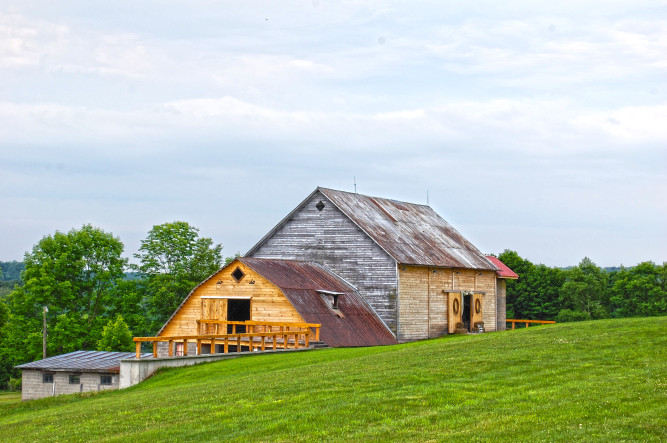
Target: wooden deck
{"points": [[259, 336]]}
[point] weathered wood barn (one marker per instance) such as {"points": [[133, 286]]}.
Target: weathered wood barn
{"points": [[370, 270]]}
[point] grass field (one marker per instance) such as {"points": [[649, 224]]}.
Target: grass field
{"points": [[592, 381], [7, 398]]}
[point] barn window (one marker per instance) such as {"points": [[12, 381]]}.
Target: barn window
{"points": [[320, 206], [47, 378], [74, 379], [238, 274], [105, 379]]}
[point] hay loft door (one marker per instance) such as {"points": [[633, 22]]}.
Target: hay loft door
{"points": [[454, 308], [213, 308], [238, 309]]}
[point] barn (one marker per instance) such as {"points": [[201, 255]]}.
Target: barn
{"points": [[269, 292], [420, 275], [370, 270]]}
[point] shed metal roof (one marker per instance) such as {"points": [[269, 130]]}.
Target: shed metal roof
{"points": [[306, 285], [503, 270], [410, 233], [83, 361]]}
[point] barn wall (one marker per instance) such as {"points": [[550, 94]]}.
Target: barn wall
{"points": [[502, 305], [32, 385], [423, 302], [268, 302], [331, 239]]}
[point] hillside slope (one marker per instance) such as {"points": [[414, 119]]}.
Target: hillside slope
{"points": [[593, 381]]}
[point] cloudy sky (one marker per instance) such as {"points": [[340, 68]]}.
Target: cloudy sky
{"points": [[538, 128]]}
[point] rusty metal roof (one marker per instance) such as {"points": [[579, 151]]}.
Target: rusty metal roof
{"points": [[410, 233], [503, 270], [83, 361], [309, 287]]}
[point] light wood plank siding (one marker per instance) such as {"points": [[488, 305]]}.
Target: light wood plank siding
{"points": [[501, 305], [330, 238], [423, 299], [268, 303]]}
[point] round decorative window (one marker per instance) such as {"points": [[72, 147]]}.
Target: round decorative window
{"points": [[478, 306], [456, 305]]}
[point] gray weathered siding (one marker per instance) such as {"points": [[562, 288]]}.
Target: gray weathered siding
{"points": [[330, 238], [32, 385]]}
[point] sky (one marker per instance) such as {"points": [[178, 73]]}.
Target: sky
{"points": [[539, 127]]}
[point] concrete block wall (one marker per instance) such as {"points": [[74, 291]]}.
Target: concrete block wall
{"points": [[33, 385]]}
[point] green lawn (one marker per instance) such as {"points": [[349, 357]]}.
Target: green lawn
{"points": [[7, 398], [592, 381]]}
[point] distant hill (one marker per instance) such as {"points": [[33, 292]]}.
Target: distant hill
{"points": [[586, 381]]}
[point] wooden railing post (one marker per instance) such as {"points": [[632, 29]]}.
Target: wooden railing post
{"points": [[171, 348], [226, 350], [154, 349], [138, 350], [238, 343], [198, 346]]}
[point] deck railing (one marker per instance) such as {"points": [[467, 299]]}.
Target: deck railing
{"points": [[527, 322], [288, 335], [220, 326]]}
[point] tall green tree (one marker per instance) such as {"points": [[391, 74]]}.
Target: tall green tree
{"points": [[584, 289], [73, 274], [173, 259]]}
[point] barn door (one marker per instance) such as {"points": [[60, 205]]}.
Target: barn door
{"points": [[454, 309], [476, 308], [213, 309]]}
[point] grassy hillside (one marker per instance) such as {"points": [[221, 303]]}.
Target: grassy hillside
{"points": [[593, 381]]}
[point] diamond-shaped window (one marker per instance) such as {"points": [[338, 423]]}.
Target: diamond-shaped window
{"points": [[238, 274]]}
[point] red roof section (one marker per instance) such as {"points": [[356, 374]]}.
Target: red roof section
{"points": [[503, 270]]}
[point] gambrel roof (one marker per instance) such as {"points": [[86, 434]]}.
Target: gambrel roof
{"points": [[310, 288], [410, 233]]}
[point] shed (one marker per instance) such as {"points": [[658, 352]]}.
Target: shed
{"points": [[78, 371]]}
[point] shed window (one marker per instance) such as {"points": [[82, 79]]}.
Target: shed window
{"points": [[105, 379], [238, 274], [47, 378], [74, 379]]}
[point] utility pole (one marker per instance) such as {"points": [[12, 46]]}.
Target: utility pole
{"points": [[44, 333]]}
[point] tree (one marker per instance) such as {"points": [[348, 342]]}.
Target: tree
{"points": [[584, 289], [639, 291], [116, 336], [173, 260], [73, 274]]}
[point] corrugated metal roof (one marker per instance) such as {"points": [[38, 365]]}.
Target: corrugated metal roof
{"points": [[503, 270], [357, 324], [410, 233], [83, 361]]}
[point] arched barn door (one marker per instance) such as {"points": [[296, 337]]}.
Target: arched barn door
{"points": [[476, 310], [454, 310]]}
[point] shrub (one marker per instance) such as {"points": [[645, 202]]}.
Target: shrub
{"points": [[14, 384], [568, 315]]}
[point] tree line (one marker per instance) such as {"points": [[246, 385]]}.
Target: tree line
{"points": [[79, 282], [585, 291]]}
